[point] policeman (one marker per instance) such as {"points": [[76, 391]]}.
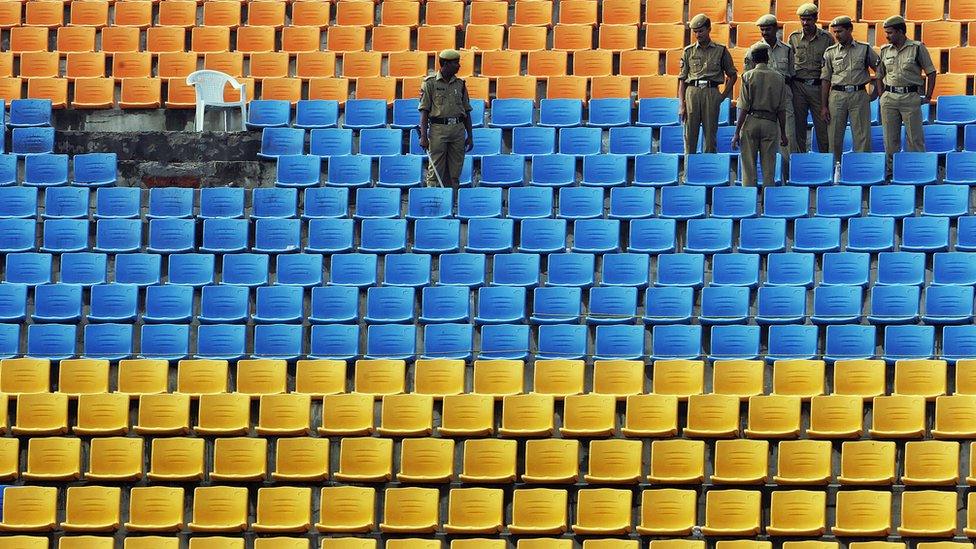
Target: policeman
{"points": [[842, 90], [809, 45], [761, 123], [780, 60], [705, 66], [445, 121], [899, 84]]}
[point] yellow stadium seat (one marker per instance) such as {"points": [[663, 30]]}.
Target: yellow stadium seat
{"points": [[126, 39], [176, 459], [662, 11], [898, 416], [380, 377], [931, 463], [347, 509], [618, 38], [962, 60], [348, 543], [970, 529], [955, 416], [94, 93], [501, 63], [602, 511], [657, 86], [163, 414], [436, 38], [516, 87], [407, 415], [867, 462], [141, 376], [589, 415], [527, 415], [426, 460], [928, 513], [801, 378], [199, 377], [489, 13], [610, 544], [355, 14], [741, 461], [544, 543], [559, 378], [410, 510], [284, 415], [797, 513], [28, 39], [578, 12], [467, 415], [301, 459], [11, 14], [716, 10], [85, 542], [320, 377], [746, 12], [85, 65], [475, 511], [950, 84], [295, 40], [346, 39], [151, 542], [811, 545], [677, 461], [743, 544], [925, 378], [216, 542], [488, 461], [75, 39], [498, 378], [592, 63], [538, 511], [413, 543], [572, 38], [281, 543], [177, 13], [102, 414], [739, 378], [283, 509], [527, 39], [227, 414], [29, 509], [863, 378], [310, 14], [365, 460], [9, 458], [803, 462], [272, 65], [347, 414], [732, 513], [681, 378], [403, 14], [614, 462], [551, 461], [53, 89], [408, 64], [242, 459], [478, 543], [219, 509], [25, 375], [438, 377], [155, 509], [617, 378], [132, 14], [54, 458], [43, 14], [533, 13], [266, 14], [712, 415], [222, 13], [835, 416], [40, 414], [651, 415], [773, 416], [115, 459], [176, 65], [667, 512], [92, 509]]}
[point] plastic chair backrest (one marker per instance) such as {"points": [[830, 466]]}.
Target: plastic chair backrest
{"points": [[209, 86]]}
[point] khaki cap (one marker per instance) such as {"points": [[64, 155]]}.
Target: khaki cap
{"points": [[699, 21], [806, 10], [893, 20], [842, 20], [450, 55], [767, 20]]}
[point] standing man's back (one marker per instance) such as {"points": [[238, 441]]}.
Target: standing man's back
{"points": [[705, 65]]}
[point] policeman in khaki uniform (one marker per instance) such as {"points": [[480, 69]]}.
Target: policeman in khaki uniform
{"points": [[705, 66], [780, 60], [899, 84], [761, 122], [809, 45], [842, 90], [445, 121]]}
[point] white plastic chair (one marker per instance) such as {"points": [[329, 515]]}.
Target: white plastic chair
{"points": [[209, 87]]}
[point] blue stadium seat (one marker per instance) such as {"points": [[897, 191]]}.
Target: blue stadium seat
{"points": [[95, 169], [955, 109], [353, 270], [8, 169], [30, 113], [536, 235], [170, 202], [377, 142], [939, 139], [279, 304], [656, 170], [119, 202], [891, 201], [619, 343], [13, 302], [165, 341], [299, 269], [925, 234], [467, 171], [631, 140], [244, 269], [405, 113], [491, 235], [945, 200], [478, 113], [334, 304], [330, 142], [909, 343], [383, 235], [330, 236], [681, 270], [612, 305], [191, 269], [606, 112], [487, 141], [297, 170], [652, 236], [781, 305], [57, 303], [462, 269], [173, 303], [64, 235], [325, 202], [482, 202], [708, 236], [502, 170], [273, 203], [580, 141], [875, 109], [846, 269], [631, 202], [626, 269], [436, 236], [376, 202], [571, 269], [18, 202], [735, 342], [516, 270], [556, 305], [966, 234], [785, 202], [222, 202], [850, 342], [139, 269], [389, 304], [670, 305], [837, 305], [334, 342], [400, 171], [762, 235], [961, 168], [683, 202], [859, 168], [391, 341], [278, 341], [84, 268], [276, 142], [364, 113], [511, 113], [792, 342], [596, 236], [894, 304], [268, 113], [17, 235], [580, 203], [848, 145], [724, 305], [811, 169], [504, 342], [553, 170], [877, 138], [657, 112], [735, 202], [46, 170], [724, 141], [790, 269], [51, 341], [526, 203], [725, 117], [32, 141], [870, 234], [954, 268], [676, 342], [561, 341], [707, 169], [958, 343], [445, 304], [604, 170], [429, 203], [221, 341], [777, 166], [948, 305], [672, 140], [838, 201], [901, 268], [224, 304], [560, 113], [915, 168], [740, 269], [273, 236], [108, 341], [222, 236], [448, 341]]}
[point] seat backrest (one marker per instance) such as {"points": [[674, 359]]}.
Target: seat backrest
{"points": [[209, 85]]}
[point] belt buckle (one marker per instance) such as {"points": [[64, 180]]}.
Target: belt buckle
{"points": [[701, 84], [850, 89]]}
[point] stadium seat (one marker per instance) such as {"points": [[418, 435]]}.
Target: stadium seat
{"points": [[947, 200], [925, 234], [912, 168], [656, 170], [349, 171], [83, 268], [837, 201], [891, 201], [894, 304], [707, 169], [955, 109], [708, 236], [609, 112], [560, 113], [683, 202], [901, 268], [580, 141], [837, 305], [553, 170], [861, 168], [811, 169], [762, 235], [45, 170]]}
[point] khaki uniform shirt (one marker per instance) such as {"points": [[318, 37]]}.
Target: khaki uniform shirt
{"points": [[711, 62], [904, 67], [848, 65], [763, 89], [809, 53], [780, 58], [444, 98]]}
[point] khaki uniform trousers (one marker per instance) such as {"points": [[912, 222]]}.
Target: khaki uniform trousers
{"points": [[790, 132], [899, 109], [701, 112], [857, 107], [446, 153], [806, 99], [760, 139]]}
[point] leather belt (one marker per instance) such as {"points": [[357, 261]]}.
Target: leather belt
{"points": [[808, 81], [901, 89], [446, 121], [765, 115], [703, 84], [848, 89]]}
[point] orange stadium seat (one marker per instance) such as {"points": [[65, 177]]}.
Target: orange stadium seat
{"points": [[75, 39], [40, 65], [790, 27], [391, 39], [361, 64], [6, 64], [722, 33], [410, 87], [378, 87], [962, 60], [941, 34], [657, 86], [267, 13], [355, 13], [672, 62], [665, 37], [122, 40], [400, 13], [162, 39], [55, 89], [310, 14], [434, 39], [28, 39], [228, 62], [664, 12], [879, 10], [567, 87], [572, 38], [90, 13], [249, 39], [618, 38], [533, 13], [11, 88], [746, 12], [495, 64], [546, 63], [639, 62], [177, 13], [786, 10], [962, 10], [922, 10], [621, 12], [489, 13], [831, 9], [140, 93], [950, 84], [746, 36], [527, 39], [319, 64], [716, 10], [10, 14], [408, 64], [222, 13], [85, 65], [739, 56], [269, 65], [44, 14], [591, 63], [295, 40], [344, 39], [484, 37], [578, 12], [176, 64], [179, 94], [132, 14], [444, 14]]}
